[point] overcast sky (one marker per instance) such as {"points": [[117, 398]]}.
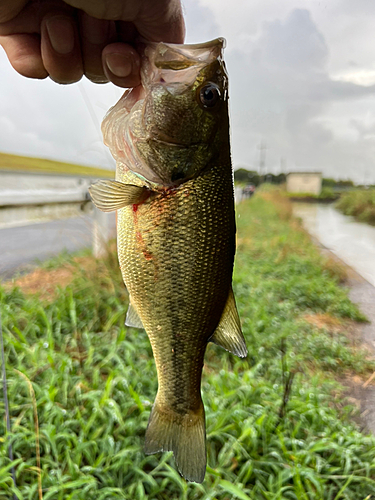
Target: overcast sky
{"points": [[302, 83]]}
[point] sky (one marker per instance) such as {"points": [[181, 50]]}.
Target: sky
{"points": [[302, 90]]}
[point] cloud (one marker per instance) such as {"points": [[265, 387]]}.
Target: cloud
{"points": [[294, 44], [281, 93], [200, 19], [301, 79], [41, 118], [366, 130]]}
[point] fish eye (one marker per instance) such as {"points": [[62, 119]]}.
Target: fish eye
{"points": [[209, 95]]}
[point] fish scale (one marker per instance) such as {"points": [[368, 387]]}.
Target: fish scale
{"points": [[176, 234]]}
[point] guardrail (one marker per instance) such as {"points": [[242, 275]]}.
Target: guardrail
{"points": [[37, 197], [27, 198]]}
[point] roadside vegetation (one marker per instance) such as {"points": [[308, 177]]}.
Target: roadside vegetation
{"points": [[326, 194], [360, 204], [279, 425], [41, 165]]}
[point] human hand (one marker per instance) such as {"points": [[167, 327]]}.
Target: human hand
{"points": [[68, 39]]}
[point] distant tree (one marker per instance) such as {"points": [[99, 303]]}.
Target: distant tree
{"points": [[334, 184], [343, 184], [279, 179], [328, 182], [251, 177], [246, 176]]}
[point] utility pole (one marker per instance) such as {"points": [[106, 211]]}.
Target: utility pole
{"points": [[365, 176], [282, 165], [262, 160]]}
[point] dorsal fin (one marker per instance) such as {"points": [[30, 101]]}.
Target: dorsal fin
{"points": [[228, 333]]}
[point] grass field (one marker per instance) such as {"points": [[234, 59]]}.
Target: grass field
{"points": [[359, 203], [279, 425], [24, 163]]}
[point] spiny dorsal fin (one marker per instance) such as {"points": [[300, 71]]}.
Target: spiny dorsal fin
{"points": [[112, 195], [228, 333], [132, 318]]}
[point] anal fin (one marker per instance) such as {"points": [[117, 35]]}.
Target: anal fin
{"points": [[110, 195], [132, 318], [228, 333]]}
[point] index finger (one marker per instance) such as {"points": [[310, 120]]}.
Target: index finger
{"points": [[161, 21], [10, 9]]}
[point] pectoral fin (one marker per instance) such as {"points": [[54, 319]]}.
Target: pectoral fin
{"points": [[228, 333], [132, 318], [112, 195]]}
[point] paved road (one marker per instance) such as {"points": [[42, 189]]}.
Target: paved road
{"points": [[353, 244], [351, 241], [20, 247]]}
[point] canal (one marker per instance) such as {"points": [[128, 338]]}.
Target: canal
{"points": [[352, 241]]}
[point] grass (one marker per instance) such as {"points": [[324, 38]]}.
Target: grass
{"points": [[326, 194], [359, 203], [278, 424], [41, 165]]}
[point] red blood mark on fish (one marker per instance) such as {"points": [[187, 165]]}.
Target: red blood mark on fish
{"points": [[138, 235], [147, 255], [170, 191], [135, 206]]}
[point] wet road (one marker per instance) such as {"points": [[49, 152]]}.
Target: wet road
{"points": [[351, 241], [354, 244], [20, 247]]}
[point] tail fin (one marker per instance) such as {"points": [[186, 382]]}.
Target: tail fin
{"points": [[185, 435]]}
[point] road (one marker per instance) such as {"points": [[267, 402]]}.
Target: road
{"points": [[20, 247], [353, 243]]}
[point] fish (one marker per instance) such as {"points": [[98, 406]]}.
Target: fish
{"points": [[176, 230]]}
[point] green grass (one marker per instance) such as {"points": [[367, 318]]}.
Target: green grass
{"points": [[25, 164], [326, 193], [95, 381], [359, 203]]}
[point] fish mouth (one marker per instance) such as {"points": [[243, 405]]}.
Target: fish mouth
{"points": [[176, 56], [175, 63]]}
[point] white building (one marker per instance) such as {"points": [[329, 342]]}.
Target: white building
{"points": [[304, 182]]}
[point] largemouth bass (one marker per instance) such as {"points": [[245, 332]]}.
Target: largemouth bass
{"points": [[176, 230]]}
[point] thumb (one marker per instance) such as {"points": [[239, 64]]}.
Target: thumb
{"points": [[10, 9]]}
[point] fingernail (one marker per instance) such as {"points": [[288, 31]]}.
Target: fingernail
{"points": [[61, 34], [119, 65]]}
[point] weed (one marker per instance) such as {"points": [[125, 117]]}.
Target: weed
{"points": [[359, 203], [95, 380]]}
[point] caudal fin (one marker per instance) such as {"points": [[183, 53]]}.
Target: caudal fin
{"points": [[185, 435]]}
